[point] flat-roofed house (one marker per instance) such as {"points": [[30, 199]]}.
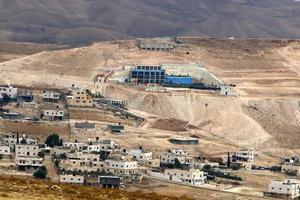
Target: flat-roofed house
{"points": [[50, 96], [72, 179], [80, 98], [288, 188], [53, 115]]}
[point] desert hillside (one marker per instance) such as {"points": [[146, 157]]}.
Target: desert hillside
{"points": [[85, 21], [266, 73]]}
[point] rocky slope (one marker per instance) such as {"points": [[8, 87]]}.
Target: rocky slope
{"points": [[82, 21]]}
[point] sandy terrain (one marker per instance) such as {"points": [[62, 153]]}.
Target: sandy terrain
{"points": [[266, 73]]}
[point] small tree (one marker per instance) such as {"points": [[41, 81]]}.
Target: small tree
{"points": [[53, 140], [41, 154], [228, 160], [177, 163], [235, 166], [41, 173]]}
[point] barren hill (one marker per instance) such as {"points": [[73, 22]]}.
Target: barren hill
{"points": [[82, 21], [266, 72]]}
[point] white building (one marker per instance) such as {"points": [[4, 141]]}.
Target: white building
{"points": [[289, 188], [10, 91], [51, 96], [290, 167], [173, 154], [244, 155], [227, 90], [11, 139], [71, 178], [5, 150], [120, 166], [26, 150], [74, 145], [140, 155], [27, 161], [192, 177], [103, 145], [53, 114]]}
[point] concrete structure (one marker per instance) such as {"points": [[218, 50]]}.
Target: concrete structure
{"points": [[184, 140], [85, 125], [11, 115], [157, 44], [200, 164], [182, 156], [100, 78], [5, 150], [147, 75], [120, 167], [12, 139], [50, 96], [80, 98], [291, 168], [140, 154], [28, 162], [27, 150], [8, 91], [289, 189], [244, 155], [116, 129], [179, 80], [228, 90], [78, 146], [192, 177], [72, 179], [115, 182], [112, 102], [25, 95], [198, 72], [53, 115]]}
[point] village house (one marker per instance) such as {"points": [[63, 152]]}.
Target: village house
{"points": [[168, 159], [53, 115], [50, 96], [27, 156], [103, 145], [27, 150], [140, 154], [120, 167], [28, 162], [82, 161], [78, 146], [13, 139], [289, 189], [80, 98], [71, 179], [244, 155], [5, 150], [292, 168], [154, 163], [8, 91], [192, 177]]}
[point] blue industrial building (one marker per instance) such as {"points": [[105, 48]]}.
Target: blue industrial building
{"points": [[147, 75], [179, 80]]}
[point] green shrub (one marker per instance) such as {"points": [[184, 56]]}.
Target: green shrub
{"points": [[40, 173]]}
